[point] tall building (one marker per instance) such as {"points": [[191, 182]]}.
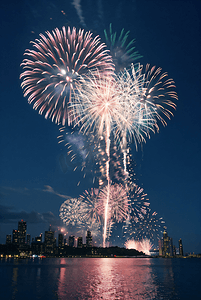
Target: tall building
{"points": [[160, 245], [60, 240], [15, 237], [8, 239], [49, 242], [174, 251], [22, 227], [79, 242], [171, 247], [166, 245], [89, 239], [28, 239], [71, 240], [180, 248]]}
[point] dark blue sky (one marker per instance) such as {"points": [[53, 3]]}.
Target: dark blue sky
{"points": [[167, 35]]}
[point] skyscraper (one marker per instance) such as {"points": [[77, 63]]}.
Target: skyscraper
{"points": [[22, 227], [15, 237], [60, 240], [71, 240], [49, 242], [8, 239], [79, 242], [180, 248], [89, 239], [166, 245], [160, 245], [28, 239]]}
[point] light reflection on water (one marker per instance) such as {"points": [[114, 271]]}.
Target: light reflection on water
{"points": [[107, 278], [100, 278]]}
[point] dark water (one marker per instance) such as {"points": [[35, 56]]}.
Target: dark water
{"points": [[100, 278]]}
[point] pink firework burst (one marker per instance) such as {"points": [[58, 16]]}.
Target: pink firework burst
{"points": [[118, 202], [92, 206], [143, 245], [52, 69]]}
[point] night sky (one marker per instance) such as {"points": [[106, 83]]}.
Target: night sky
{"points": [[32, 183]]}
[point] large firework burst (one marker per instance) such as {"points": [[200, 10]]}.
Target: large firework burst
{"points": [[54, 66], [97, 104]]}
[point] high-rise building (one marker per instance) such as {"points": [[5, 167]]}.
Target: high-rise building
{"points": [[49, 242], [22, 227], [171, 247], [8, 239], [79, 242], [89, 239], [28, 239], [71, 240], [160, 245], [60, 240], [180, 248], [166, 245], [15, 237]]}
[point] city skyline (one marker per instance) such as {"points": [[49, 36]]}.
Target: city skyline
{"points": [[20, 244], [33, 184], [21, 238]]}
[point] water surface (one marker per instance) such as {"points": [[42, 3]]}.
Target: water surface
{"points": [[100, 278]]}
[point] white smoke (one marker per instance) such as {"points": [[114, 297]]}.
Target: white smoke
{"points": [[77, 5]]}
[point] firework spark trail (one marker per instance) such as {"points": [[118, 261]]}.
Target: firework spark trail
{"points": [[53, 69], [108, 181], [102, 106], [118, 203], [98, 111]]}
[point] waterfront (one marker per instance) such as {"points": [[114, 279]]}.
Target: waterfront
{"points": [[100, 278]]}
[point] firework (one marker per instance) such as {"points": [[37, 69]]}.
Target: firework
{"points": [[139, 203], [118, 203], [151, 98], [123, 53], [53, 68], [91, 201], [143, 245], [97, 104], [149, 227], [98, 111], [71, 212]]}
